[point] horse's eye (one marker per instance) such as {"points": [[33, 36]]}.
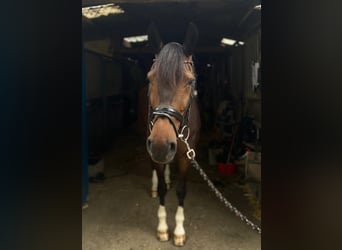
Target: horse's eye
{"points": [[191, 82]]}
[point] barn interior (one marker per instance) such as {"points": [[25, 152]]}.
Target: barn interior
{"points": [[117, 57]]}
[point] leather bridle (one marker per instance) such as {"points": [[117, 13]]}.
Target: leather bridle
{"points": [[169, 112]]}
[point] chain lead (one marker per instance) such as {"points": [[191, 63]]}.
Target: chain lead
{"points": [[191, 155], [223, 199]]}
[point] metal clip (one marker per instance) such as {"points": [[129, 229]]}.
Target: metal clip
{"points": [[191, 154]]}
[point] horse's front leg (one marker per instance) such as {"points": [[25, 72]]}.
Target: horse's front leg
{"points": [[162, 229], [179, 235], [154, 189], [167, 176]]}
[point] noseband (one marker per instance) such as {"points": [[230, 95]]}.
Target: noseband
{"points": [[169, 112]]}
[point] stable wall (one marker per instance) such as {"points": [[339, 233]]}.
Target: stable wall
{"points": [[103, 76], [252, 53], [104, 100], [248, 99], [112, 86]]}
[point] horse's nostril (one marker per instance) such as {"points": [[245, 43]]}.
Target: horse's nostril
{"points": [[172, 146]]}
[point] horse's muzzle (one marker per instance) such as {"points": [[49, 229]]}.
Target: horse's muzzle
{"points": [[161, 151]]}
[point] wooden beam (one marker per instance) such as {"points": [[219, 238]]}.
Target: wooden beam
{"points": [[250, 9], [100, 2], [151, 51]]}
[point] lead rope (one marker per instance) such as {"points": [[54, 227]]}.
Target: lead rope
{"points": [[191, 156]]}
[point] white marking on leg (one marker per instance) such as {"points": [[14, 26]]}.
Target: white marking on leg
{"points": [[179, 230], [167, 176], [162, 228], [154, 184], [179, 233]]}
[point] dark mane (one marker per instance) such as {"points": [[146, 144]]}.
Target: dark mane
{"points": [[169, 68]]}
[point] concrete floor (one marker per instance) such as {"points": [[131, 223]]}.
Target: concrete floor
{"points": [[122, 215]]}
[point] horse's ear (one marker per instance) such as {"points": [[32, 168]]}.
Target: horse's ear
{"points": [[190, 40], [154, 38]]}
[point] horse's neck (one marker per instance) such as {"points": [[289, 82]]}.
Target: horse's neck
{"points": [[194, 123]]}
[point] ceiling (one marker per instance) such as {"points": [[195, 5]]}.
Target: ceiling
{"points": [[214, 18]]}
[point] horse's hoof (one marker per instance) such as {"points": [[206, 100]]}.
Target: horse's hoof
{"points": [[154, 194], [163, 235], [179, 240], [168, 186]]}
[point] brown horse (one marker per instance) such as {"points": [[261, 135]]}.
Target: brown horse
{"points": [[173, 113]]}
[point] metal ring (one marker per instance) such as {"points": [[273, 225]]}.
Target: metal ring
{"points": [[182, 132]]}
